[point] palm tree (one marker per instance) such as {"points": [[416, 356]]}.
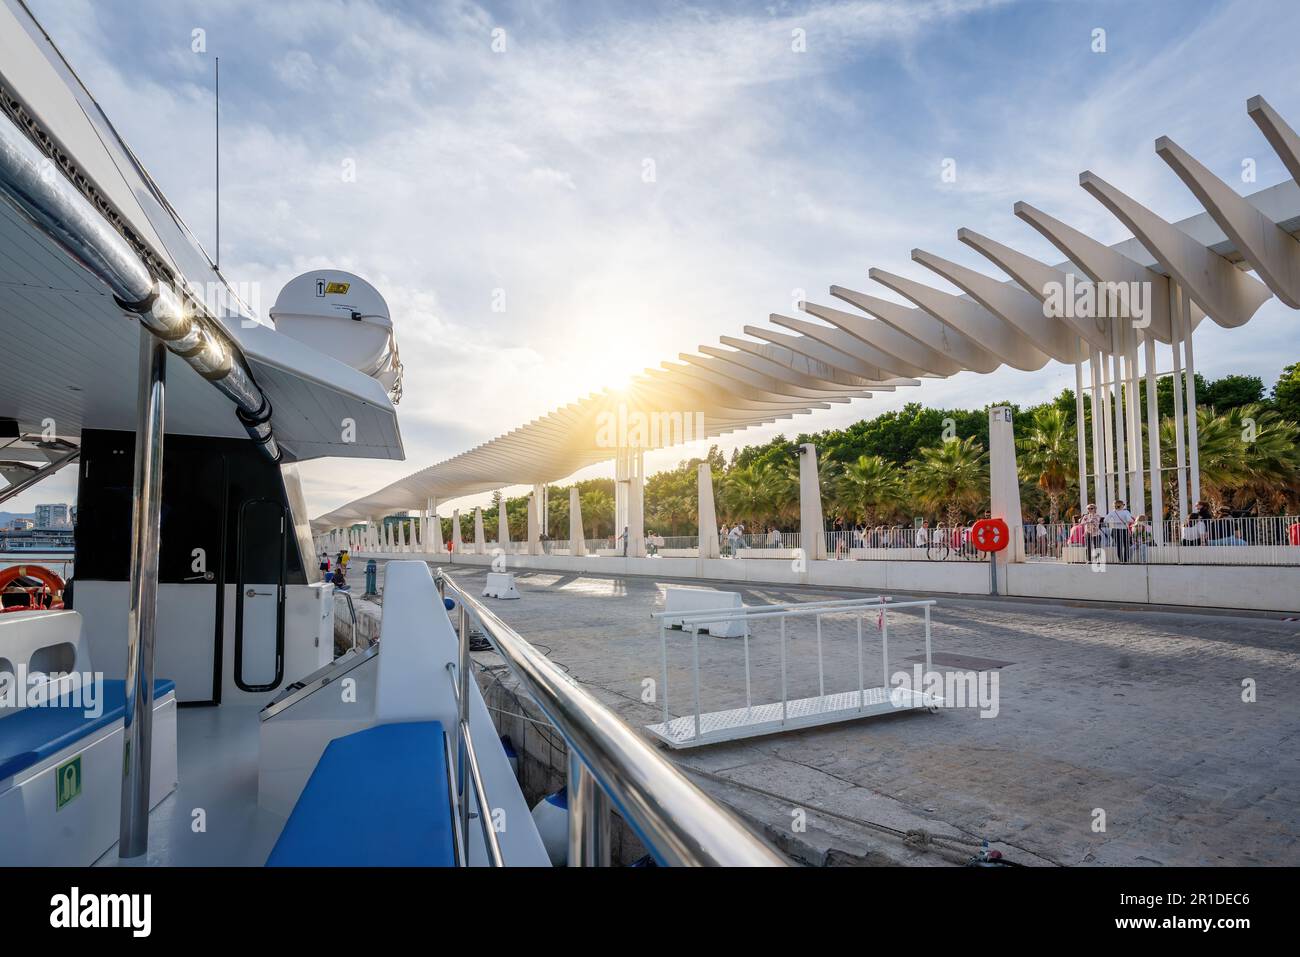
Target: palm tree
{"points": [[870, 485], [1271, 454], [952, 475], [1221, 454], [1052, 456], [597, 512], [748, 493]]}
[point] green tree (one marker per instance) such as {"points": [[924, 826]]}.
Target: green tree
{"points": [[747, 494], [1232, 392], [1051, 455], [1221, 458], [871, 486], [1271, 456], [1286, 393], [952, 476]]}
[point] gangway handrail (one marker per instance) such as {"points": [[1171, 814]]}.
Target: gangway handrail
{"points": [[467, 773], [792, 604], [352, 610], [679, 824], [749, 612], [692, 621]]}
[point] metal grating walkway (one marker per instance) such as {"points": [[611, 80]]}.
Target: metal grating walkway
{"points": [[717, 726]]}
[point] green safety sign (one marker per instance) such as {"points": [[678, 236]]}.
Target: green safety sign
{"points": [[67, 782]]}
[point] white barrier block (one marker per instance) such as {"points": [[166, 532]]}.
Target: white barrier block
{"points": [[500, 585], [687, 600]]}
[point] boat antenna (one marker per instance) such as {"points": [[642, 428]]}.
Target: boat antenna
{"points": [[217, 155]]}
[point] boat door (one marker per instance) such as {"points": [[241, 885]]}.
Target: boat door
{"points": [[259, 595]]}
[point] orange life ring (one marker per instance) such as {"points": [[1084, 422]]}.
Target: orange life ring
{"points": [[50, 584], [991, 534]]}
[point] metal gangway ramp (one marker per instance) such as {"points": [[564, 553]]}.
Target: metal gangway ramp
{"points": [[711, 727]]}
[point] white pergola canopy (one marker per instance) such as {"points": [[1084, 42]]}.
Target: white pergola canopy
{"points": [[1229, 260]]}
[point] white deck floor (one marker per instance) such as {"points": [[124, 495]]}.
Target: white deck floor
{"points": [[217, 754]]}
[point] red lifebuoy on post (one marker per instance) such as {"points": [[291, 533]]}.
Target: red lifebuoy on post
{"points": [[990, 535], [50, 584]]}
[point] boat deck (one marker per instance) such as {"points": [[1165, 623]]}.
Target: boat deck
{"points": [[217, 754]]}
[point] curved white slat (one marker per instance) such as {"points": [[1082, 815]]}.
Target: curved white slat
{"points": [[1227, 294], [1104, 265], [971, 319], [883, 336], [957, 351], [724, 385], [1283, 139], [900, 362], [1039, 280], [1009, 303], [785, 382], [807, 371], [756, 384], [814, 349], [1273, 253]]}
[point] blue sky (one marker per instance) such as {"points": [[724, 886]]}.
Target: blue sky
{"points": [[776, 169]]}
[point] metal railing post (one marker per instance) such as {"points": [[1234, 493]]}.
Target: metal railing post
{"points": [[821, 670], [589, 829], [928, 666], [663, 655], [137, 725], [695, 640], [884, 644], [462, 722], [862, 683], [783, 701]]}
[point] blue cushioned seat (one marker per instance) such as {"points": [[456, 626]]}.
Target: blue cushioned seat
{"points": [[30, 735], [378, 798]]}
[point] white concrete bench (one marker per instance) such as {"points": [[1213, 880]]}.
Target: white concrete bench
{"points": [[500, 585], [686, 600]]}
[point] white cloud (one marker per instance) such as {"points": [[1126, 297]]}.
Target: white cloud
{"points": [[523, 171]]}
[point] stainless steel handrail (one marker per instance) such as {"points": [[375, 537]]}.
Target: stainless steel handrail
{"points": [[679, 824], [352, 610], [467, 773], [48, 199]]}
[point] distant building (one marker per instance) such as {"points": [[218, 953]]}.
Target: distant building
{"points": [[21, 524], [52, 516]]}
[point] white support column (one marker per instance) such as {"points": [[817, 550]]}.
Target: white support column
{"points": [[1117, 407], [537, 520], [636, 504], [1099, 415], [1004, 482], [1136, 487], [480, 543], [1153, 444], [708, 514], [1180, 451], [539, 516], [1079, 427], [456, 544], [503, 524], [534, 543], [812, 525], [621, 470], [577, 536], [1193, 439]]}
